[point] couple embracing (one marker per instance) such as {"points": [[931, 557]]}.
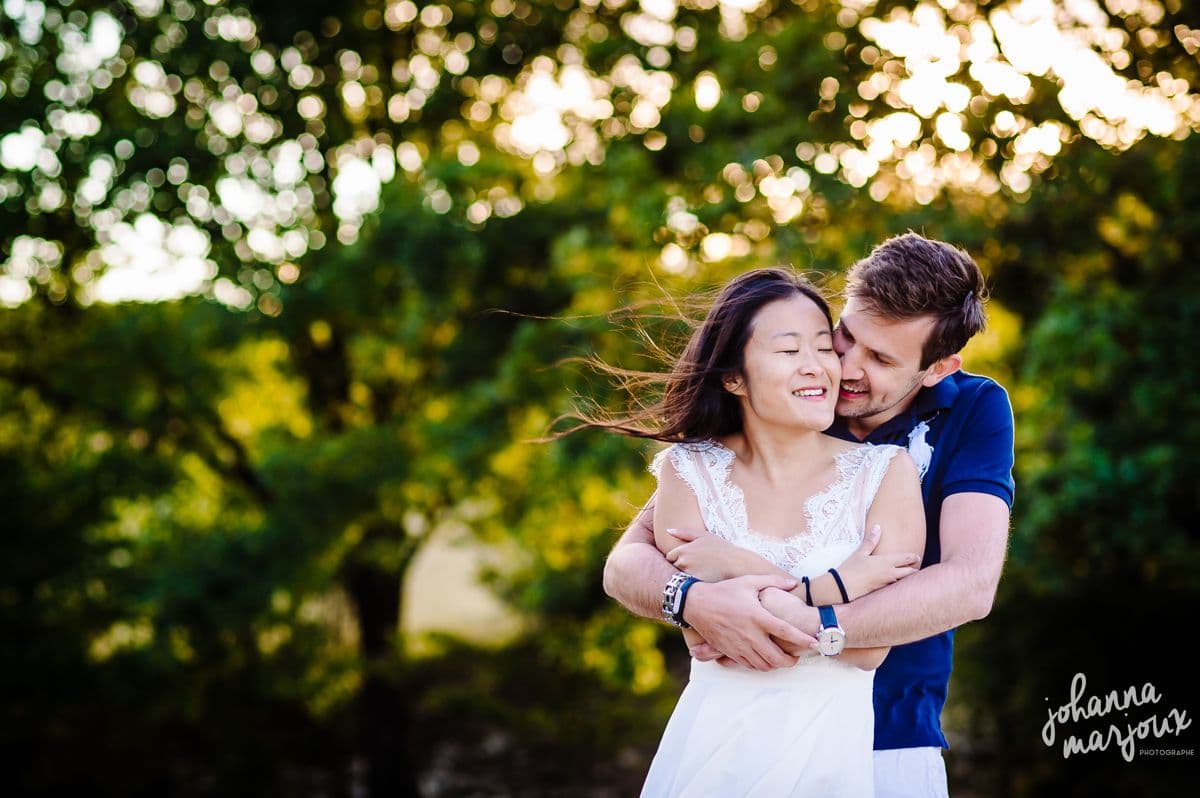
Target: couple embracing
{"points": [[834, 503]]}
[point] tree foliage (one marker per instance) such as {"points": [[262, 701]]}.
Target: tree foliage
{"points": [[371, 235]]}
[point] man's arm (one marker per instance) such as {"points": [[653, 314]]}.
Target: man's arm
{"points": [[712, 559], [973, 532], [957, 590], [636, 571], [726, 614]]}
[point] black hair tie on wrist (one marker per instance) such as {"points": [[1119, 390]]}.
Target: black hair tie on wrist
{"points": [[841, 587], [807, 590]]}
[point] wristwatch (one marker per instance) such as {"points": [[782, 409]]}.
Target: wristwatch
{"points": [[831, 638], [674, 595]]}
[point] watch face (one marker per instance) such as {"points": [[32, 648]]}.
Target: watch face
{"points": [[831, 641]]}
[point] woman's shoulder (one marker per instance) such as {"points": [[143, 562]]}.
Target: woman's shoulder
{"points": [[681, 454], [843, 447], [699, 447], [844, 451], [847, 445], [839, 446], [886, 461], [852, 456]]}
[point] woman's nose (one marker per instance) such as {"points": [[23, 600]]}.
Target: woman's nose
{"points": [[809, 363]]}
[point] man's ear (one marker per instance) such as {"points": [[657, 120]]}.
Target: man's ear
{"points": [[941, 369], [734, 384]]}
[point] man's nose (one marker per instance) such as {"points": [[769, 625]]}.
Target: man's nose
{"points": [[851, 363]]}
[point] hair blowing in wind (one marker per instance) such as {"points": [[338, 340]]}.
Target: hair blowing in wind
{"points": [[693, 404]]}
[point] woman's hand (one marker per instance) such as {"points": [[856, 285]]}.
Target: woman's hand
{"points": [[789, 607], [864, 572], [693, 638], [708, 557]]}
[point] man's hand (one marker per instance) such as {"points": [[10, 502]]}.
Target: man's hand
{"points": [[730, 618], [864, 572]]}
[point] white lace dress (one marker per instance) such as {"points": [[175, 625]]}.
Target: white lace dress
{"points": [[801, 731]]}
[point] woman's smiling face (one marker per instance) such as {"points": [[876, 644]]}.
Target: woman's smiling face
{"points": [[790, 373]]}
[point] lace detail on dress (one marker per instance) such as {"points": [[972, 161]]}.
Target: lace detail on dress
{"points": [[704, 467], [834, 516]]}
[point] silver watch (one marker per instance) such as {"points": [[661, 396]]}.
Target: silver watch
{"points": [[831, 638], [674, 595]]}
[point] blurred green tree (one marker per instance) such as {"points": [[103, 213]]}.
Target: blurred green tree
{"points": [[367, 236]]}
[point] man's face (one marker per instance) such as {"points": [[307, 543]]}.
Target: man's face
{"points": [[881, 361]]}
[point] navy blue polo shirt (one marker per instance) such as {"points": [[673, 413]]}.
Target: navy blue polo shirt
{"points": [[969, 425]]}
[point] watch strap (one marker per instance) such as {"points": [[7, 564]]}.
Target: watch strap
{"points": [[674, 595], [683, 591], [828, 617]]}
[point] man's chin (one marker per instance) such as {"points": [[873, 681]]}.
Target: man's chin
{"points": [[853, 408]]}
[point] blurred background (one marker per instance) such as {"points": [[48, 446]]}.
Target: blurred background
{"points": [[286, 288]]}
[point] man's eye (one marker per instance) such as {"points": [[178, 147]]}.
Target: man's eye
{"points": [[824, 350], [788, 351]]}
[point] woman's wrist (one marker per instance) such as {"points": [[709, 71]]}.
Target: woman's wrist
{"points": [[823, 590], [747, 563], [778, 603]]}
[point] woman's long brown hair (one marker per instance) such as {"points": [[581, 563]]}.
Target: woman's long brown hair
{"points": [[694, 404]]}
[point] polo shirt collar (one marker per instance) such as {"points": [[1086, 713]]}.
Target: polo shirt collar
{"points": [[940, 397]]}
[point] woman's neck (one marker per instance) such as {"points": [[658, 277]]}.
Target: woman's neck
{"points": [[781, 454]]}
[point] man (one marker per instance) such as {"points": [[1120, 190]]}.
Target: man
{"points": [[911, 306]]}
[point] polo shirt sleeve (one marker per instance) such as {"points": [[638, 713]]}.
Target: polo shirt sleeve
{"points": [[983, 455]]}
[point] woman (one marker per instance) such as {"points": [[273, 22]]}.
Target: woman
{"points": [[746, 406]]}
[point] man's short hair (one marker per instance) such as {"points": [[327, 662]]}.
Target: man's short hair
{"points": [[909, 276]]}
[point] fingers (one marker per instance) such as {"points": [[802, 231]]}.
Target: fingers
{"points": [[775, 657], [903, 565], [788, 633], [754, 661], [893, 575], [757, 662], [767, 656], [762, 582], [673, 555], [870, 540], [796, 651], [741, 660], [687, 535]]}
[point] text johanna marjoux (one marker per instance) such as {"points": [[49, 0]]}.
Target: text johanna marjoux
{"points": [[1083, 707]]}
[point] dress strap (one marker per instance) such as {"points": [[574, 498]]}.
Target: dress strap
{"points": [[875, 463], [703, 468]]}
